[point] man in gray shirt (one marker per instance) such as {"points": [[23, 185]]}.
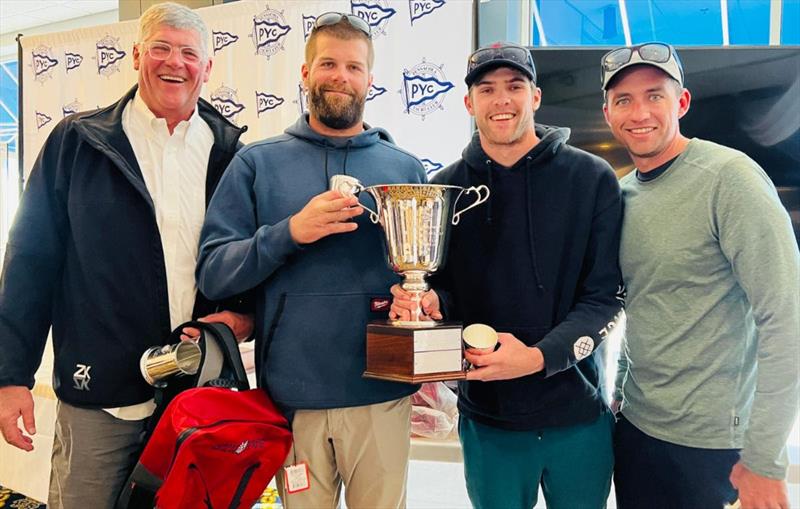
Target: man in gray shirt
{"points": [[708, 379]]}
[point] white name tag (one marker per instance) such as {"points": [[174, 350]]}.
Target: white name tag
{"points": [[296, 478]]}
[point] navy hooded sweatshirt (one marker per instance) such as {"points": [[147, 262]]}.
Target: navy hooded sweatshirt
{"points": [[539, 259], [314, 301]]}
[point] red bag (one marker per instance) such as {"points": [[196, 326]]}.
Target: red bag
{"points": [[215, 448]]}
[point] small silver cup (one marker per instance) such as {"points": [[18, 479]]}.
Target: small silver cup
{"points": [[160, 362]]}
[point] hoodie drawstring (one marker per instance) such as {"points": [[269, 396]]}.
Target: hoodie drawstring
{"points": [[531, 229], [327, 175], [489, 185], [346, 153]]}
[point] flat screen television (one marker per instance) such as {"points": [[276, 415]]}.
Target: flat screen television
{"points": [[747, 98]]}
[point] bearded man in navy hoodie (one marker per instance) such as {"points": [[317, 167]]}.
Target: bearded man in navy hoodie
{"points": [[539, 264], [318, 266]]}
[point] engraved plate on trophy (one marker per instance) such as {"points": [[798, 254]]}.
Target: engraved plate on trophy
{"points": [[415, 219]]}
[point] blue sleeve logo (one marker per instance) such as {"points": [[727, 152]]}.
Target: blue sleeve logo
{"points": [[266, 102], [269, 30], [223, 39], [420, 8]]}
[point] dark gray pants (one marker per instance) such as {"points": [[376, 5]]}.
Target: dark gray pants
{"points": [[93, 454]]}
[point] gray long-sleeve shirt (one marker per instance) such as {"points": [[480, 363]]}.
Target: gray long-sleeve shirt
{"points": [[712, 270]]}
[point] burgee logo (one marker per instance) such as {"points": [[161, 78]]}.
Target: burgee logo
{"points": [[424, 88], [72, 60], [109, 54], [308, 25], [43, 62], [70, 108], [375, 12], [374, 91], [225, 100], [222, 39], [269, 30], [420, 8], [266, 102], [42, 120], [431, 166]]}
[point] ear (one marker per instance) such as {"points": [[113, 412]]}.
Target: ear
{"points": [[684, 101], [304, 75], [207, 70], [605, 114], [536, 100], [136, 57], [468, 104], [369, 83]]}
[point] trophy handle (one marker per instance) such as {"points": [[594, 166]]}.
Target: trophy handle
{"points": [[483, 194], [351, 186], [373, 216]]}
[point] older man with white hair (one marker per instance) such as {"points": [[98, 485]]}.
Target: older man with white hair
{"points": [[103, 250]]}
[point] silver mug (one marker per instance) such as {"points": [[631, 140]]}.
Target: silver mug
{"points": [[159, 362]]}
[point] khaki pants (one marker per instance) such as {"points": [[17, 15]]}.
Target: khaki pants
{"points": [[365, 447], [93, 454]]}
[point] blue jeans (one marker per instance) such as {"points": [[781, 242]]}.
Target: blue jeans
{"points": [[656, 474], [503, 469]]}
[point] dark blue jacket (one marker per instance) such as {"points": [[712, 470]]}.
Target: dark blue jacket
{"points": [[85, 256], [539, 260], [313, 300]]}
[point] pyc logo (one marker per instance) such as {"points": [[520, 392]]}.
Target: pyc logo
{"points": [[269, 29], [374, 12], [72, 60], [302, 99], [226, 102], [374, 91], [420, 8], [43, 61], [431, 167], [42, 120], [222, 39], [109, 54], [69, 109], [424, 86], [266, 102], [308, 25]]}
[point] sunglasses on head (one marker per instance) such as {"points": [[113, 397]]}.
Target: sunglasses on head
{"points": [[655, 52], [331, 18], [510, 52]]}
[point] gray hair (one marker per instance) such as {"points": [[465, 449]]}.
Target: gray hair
{"points": [[175, 16]]}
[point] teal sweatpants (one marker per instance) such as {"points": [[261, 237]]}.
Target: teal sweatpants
{"points": [[503, 469]]}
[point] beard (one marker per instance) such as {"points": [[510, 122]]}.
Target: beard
{"points": [[336, 112]]}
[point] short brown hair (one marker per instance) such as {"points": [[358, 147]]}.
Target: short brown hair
{"points": [[342, 30]]}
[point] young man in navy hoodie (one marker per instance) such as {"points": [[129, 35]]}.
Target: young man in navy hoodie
{"points": [[318, 266], [539, 264]]}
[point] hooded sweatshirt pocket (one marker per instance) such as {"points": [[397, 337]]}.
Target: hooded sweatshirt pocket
{"points": [[317, 348]]}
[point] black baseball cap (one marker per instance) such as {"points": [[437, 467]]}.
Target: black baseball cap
{"points": [[499, 54]]}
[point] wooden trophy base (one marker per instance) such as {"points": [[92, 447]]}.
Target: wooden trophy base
{"points": [[415, 354]]}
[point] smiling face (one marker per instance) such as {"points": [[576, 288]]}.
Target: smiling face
{"points": [[643, 109], [503, 102], [337, 80], [170, 87]]}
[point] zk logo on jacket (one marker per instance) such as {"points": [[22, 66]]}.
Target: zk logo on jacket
{"points": [[43, 62], [42, 120], [374, 12], [269, 30], [431, 167], [72, 60], [222, 39], [109, 54], [70, 108], [424, 88], [420, 8], [375, 91], [225, 100], [266, 102]]}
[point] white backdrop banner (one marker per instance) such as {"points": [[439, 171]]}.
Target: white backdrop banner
{"points": [[421, 49]]}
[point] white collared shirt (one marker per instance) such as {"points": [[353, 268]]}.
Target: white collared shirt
{"points": [[174, 169]]}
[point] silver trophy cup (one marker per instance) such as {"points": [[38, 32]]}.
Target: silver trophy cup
{"points": [[415, 220], [160, 362]]}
